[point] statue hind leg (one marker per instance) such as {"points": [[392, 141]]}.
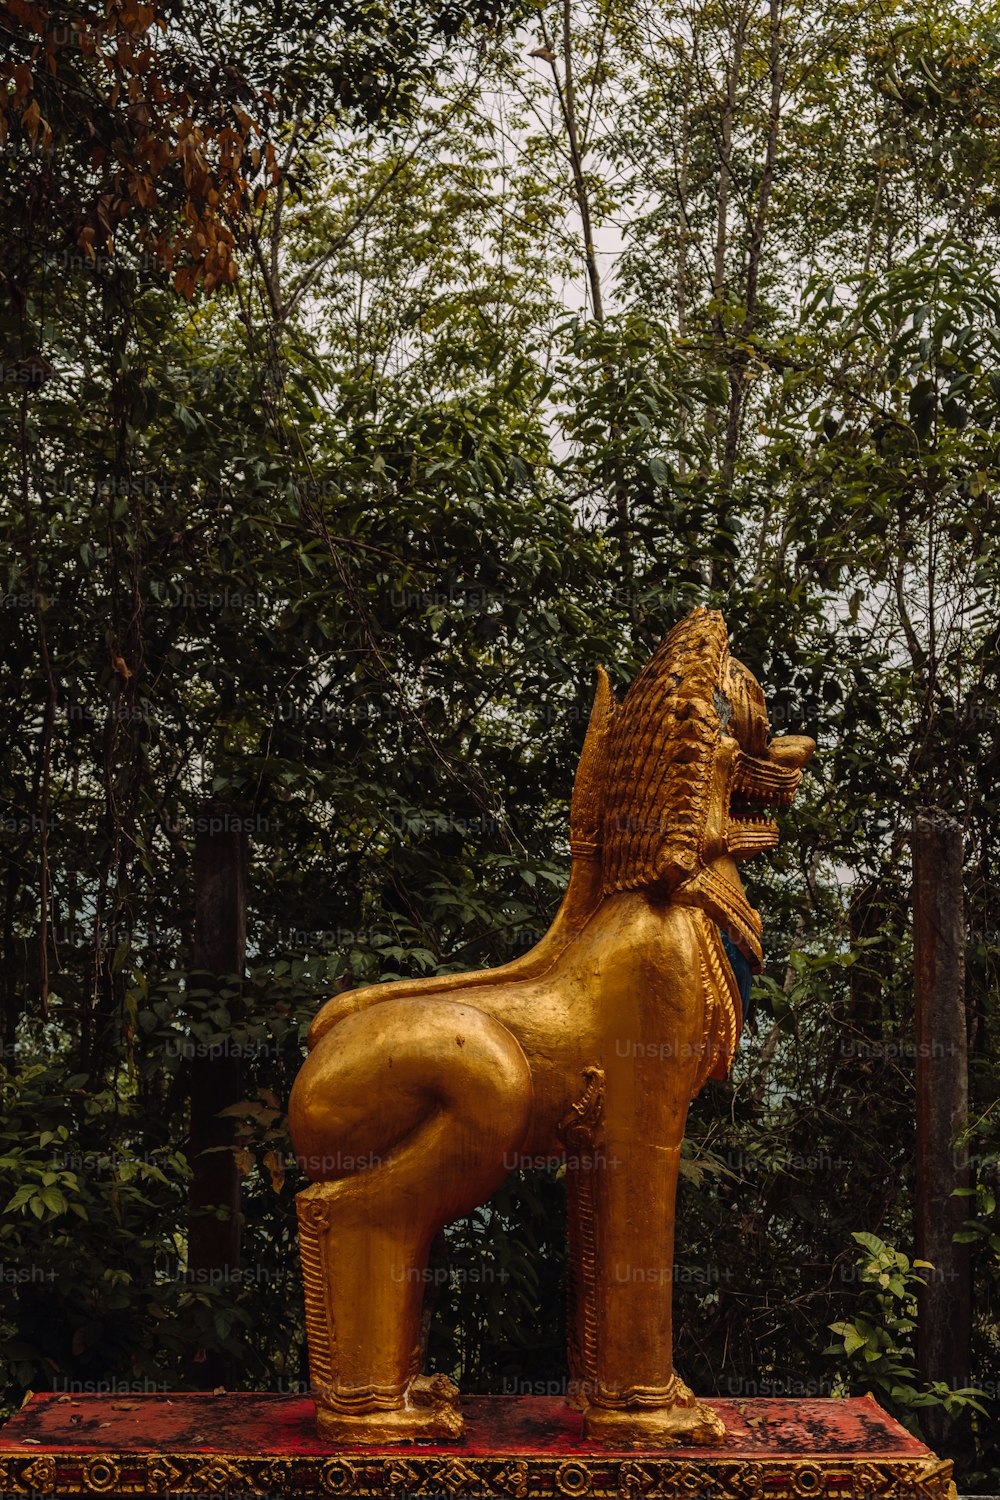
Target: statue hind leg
{"points": [[405, 1115]]}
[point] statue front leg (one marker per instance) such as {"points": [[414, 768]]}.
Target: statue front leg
{"points": [[622, 1199], [631, 1391]]}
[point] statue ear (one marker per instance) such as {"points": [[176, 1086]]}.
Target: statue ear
{"points": [[587, 805]]}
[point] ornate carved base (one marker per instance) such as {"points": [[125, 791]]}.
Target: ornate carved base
{"points": [[515, 1448]]}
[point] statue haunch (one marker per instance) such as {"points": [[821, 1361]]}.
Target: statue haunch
{"points": [[417, 1096]]}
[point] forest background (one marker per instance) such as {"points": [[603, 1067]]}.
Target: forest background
{"points": [[370, 374]]}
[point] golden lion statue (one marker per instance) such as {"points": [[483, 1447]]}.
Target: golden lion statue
{"points": [[417, 1096]]}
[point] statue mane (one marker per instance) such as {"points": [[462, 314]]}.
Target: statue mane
{"points": [[651, 775]]}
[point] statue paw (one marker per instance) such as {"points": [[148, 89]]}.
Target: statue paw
{"points": [[684, 1420], [432, 1390], [427, 1412], [700, 1425]]}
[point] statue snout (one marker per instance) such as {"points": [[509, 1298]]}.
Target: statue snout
{"points": [[791, 751]]}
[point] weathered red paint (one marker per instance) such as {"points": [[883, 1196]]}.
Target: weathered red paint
{"points": [[284, 1426]]}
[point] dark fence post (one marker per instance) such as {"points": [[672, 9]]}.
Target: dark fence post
{"points": [[216, 1075], [942, 1087]]}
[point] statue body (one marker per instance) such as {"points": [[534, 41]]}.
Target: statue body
{"points": [[418, 1098]]}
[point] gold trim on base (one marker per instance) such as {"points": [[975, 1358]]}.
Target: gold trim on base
{"points": [[412, 1474]]}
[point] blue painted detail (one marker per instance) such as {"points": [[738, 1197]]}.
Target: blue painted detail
{"points": [[742, 970]]}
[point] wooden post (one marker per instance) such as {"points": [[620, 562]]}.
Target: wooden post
{"points": [[942, 1087], [216, 1074]]}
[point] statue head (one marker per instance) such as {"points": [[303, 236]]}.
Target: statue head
{"points": [[678, 781]]}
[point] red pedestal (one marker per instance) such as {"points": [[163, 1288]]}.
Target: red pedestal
{"points": [[515, 1448]]}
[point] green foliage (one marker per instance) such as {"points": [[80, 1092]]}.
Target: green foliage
{"points": [[878, 1340]]}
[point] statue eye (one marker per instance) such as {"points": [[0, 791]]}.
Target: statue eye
{"points": [[723, 707]]}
